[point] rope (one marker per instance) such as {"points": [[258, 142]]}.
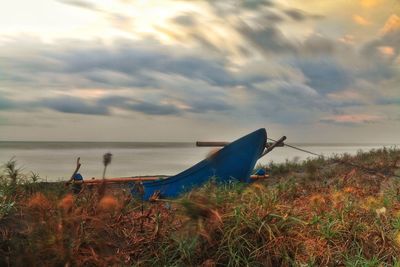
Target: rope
{"points": [[365, 169], [300, 149]]}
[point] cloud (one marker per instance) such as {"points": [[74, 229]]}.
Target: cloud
{"points": [[120, 21], [113, 101], [257, 22], [318, 45], [288, 102], [260, 7], [272, 17], [280, 78], [153, 72], [370, 3], [144, 107], [156, 80], [155, 108], [299, 15], [125, 63], [187, 20], [360, 20], [117, 20], [268, 39], [6, 103], [74, 105], [174, 104], [141, 58], [387, 51], [348, 98], [80, 3], [207, 105], [256, 4], [391, 25], [380, 55], [389, 101], [325, 75], [296, 14], [352, 119], [390, 37]]}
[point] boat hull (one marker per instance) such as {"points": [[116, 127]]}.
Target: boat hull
{"points": [[233, 162]]}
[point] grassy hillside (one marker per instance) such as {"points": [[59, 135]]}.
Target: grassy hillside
{"points": [[318, 212]]}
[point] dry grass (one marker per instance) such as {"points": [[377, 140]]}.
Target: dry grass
{"points": [[316, 213]]}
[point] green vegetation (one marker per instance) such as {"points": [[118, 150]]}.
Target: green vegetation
{"points": [[313, 213]]}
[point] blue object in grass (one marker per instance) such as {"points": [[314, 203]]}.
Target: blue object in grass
{"points": [[234, 162], [260, 172], [77, 187], [78, 177]]}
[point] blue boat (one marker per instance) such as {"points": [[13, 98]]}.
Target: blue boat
{"points": [[234, 162]]}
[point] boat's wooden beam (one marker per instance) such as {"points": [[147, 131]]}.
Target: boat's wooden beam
{"points": [[258, 177], [211, 144], [123, 180], [143, 179], [219, 144]]}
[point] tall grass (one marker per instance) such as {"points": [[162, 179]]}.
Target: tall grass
{"points": [[314, 213]]}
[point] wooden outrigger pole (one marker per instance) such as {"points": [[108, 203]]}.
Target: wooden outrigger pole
{"points": [[124, 179], [119, 180]]}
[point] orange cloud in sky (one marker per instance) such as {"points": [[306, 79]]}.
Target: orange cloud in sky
{"points": [[386, 50], [355, 118], [87, 93], [360, 20], [370, 3], [391, 25]]}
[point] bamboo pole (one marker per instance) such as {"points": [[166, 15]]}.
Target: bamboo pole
{"points": [[123, 180], [258, 177], [144, 179], [211, 144]]}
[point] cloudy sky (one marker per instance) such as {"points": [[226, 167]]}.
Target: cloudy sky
{"points": [[108, 70]]}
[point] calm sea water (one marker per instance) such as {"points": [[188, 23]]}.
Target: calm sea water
{"points": [[56, 160]]}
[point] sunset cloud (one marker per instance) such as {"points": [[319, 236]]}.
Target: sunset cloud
{"points": [[387, 51], [360, 20], [370, 3], [392, 24], [354, 118]]}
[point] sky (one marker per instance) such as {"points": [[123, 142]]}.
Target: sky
{"points": [[126, 70]]}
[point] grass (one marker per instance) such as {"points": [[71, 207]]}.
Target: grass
{"points": [[312, 213]]}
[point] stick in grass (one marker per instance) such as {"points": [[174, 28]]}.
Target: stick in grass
{"points": [[106, 161], [78, 165]]}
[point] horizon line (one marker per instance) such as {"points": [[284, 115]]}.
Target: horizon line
{"points": [[189, 142]]}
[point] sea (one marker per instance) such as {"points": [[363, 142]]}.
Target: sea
{"points": [[56, 161]]}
